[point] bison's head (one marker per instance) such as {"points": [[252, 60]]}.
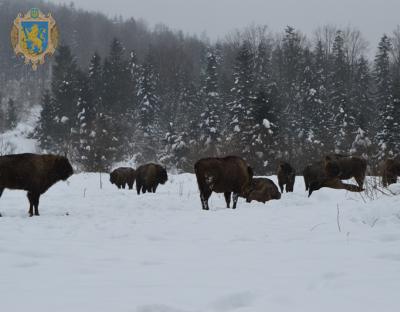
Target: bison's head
{"points": [[63, 168], [332, 168], [112, 177], [258, 196], [163, 176], [274, 192]]}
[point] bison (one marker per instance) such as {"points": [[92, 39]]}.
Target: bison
{"points": [[262, 190], [226, 175], [286, 176], [33, 173], [149, 176], [123, 176], [315, 177], [346, 167], [390, 171]]}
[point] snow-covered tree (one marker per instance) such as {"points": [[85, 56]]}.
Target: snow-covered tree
{"points": [[210, 123], [241, 109], [384, 99]]}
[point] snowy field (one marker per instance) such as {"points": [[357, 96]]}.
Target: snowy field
{"points": [[99, 250]]}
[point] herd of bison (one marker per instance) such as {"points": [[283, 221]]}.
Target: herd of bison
{"points": [[230, 175]]}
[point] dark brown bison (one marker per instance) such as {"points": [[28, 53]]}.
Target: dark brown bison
{"points": [[390, 171], [286, 176], [33, 173], [149, 176], [123, 176], [262, 190], [223, 175], [315, 177], [346, 167]]}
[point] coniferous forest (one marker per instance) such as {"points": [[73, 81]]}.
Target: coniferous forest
{"points": [[118, 89]]}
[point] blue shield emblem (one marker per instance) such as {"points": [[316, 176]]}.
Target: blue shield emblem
{"points": [[35, 36]]}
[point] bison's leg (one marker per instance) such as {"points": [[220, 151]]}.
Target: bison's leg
{"points": [[36, 203], [227, 199], [314, 186], [123, 185], [130, 184], [204, 196], [338, 184], [1, 191], [281, 187], [138, 187], [360, 180], [235, 199], [30, 197], [306, 183]]}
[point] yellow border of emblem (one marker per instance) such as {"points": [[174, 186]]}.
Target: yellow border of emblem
{"points": [[16, 36]]}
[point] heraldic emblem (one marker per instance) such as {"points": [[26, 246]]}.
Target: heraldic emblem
{"points": [[34, 35]]}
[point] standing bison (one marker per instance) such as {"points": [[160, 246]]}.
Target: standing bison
{"points": [[315, 177], [123, 176], [346, 167], [223, 175], [149, 176], [390, 171], [286, 176], [263, 190], [34, 174]]}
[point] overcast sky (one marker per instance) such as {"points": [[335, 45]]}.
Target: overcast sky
{"points": [[218, 17]]}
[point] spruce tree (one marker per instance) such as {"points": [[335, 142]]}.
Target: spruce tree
{"points": [[116, 98], [45, 127], [363, 109], [210, 125], [242, 107], [85, 121], [384, 100], [149, 108], [100, 138], [343, 125], [65, 93]]}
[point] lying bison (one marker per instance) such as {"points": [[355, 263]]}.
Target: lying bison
{"points": [[33, 173], [286, 176], [390, 171], [149, 176], [123, 176], [262, 190], [223, 175], [315, 177], [346, 167]]}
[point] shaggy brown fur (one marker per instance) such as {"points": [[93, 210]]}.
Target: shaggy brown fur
{"points": [[223, 175], [123, 176], [262, 190], [286, 175], [33, 173], [149, 176], [346, 167], [390, 171], [315, 177]]}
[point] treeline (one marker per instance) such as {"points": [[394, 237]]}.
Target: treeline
{"points": [[161, 95], [253, 96]]}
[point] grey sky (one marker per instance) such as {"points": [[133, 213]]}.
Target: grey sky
{"points": [[218, 17]]}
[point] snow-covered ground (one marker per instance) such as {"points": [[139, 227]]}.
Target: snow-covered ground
{"points": [[108, 250]]}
